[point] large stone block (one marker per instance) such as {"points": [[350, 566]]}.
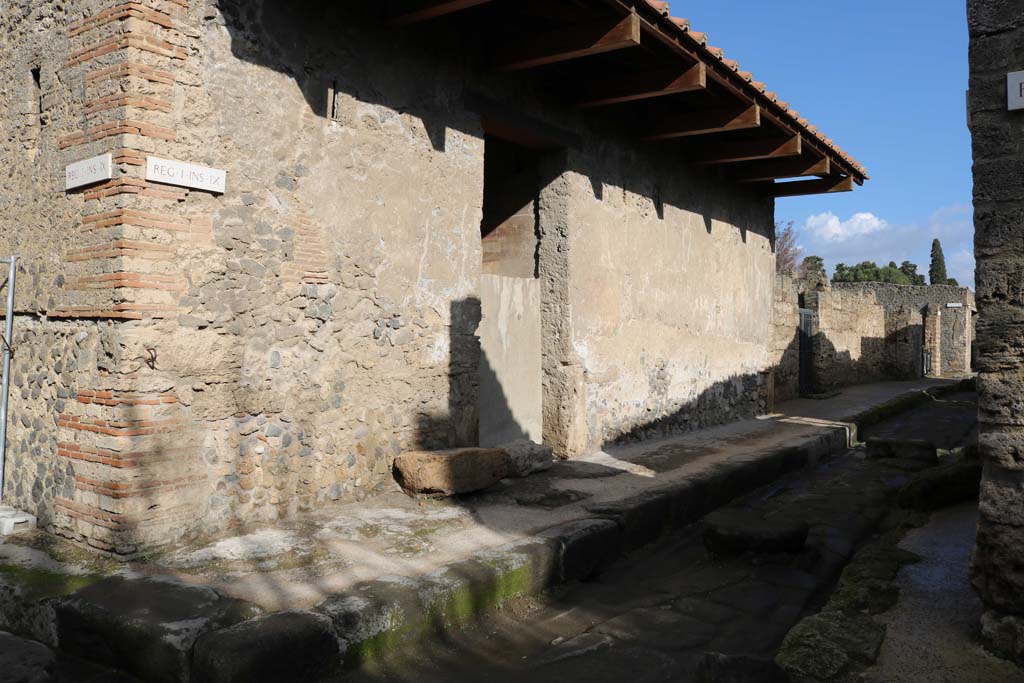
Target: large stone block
{"points": [[1003, 446], [526, 457], [1002, 495], [941, 486], [146, 627], [998, 180], [286, 646], [451, 472], [732, 531], [996, 227]]}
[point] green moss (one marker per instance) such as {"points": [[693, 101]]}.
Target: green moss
{"points": [[37, 584]]}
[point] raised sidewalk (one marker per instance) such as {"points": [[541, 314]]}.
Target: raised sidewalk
{"points": [[356, 581]]}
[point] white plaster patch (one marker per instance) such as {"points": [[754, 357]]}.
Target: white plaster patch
{"points": [[259, 545]]}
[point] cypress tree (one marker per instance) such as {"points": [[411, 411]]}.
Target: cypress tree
{"points": [[937, 269]]}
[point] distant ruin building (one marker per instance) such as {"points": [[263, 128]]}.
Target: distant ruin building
{"points": [[831, 335], [996, 116], [271, 245]]}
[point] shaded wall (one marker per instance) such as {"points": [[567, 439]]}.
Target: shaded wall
{"points": [[785, 352], [997, 32]]}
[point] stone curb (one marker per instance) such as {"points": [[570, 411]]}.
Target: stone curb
{"points": [[381, 616]]}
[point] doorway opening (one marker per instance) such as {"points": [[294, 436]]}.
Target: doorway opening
{"points": [[511, 392]]}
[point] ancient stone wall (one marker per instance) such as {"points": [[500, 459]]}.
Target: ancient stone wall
{"points": [[871, 331], [849, 337], [996, 34], [189, 361], [671, 282]]}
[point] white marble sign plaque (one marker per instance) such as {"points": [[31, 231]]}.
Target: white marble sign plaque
{"points": [[88, 171], [1015, 90], [186, 175]]}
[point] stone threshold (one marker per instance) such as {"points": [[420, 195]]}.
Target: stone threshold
{"points": [[164, 628]]}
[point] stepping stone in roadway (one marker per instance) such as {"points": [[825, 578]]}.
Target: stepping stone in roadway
{"points": [[733, 531]]}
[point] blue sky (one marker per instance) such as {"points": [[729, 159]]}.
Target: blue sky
{"points": [[887, 81]]}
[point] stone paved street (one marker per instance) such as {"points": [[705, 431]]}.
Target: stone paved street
{"points": [[656, 615], [709, 601]]}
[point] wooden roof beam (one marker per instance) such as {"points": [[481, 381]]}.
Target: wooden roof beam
{"points": [[705, 123], [724, 78], [735, 151], [643, 86], [415, 12], [800, 188], [571, 43], [770, 169]]}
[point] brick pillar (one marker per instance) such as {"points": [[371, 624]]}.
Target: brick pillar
{"points": [[128, 439], [996, 34], [933, 339]]}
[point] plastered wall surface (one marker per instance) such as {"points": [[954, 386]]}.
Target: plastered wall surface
{"points": [[671, 282]]}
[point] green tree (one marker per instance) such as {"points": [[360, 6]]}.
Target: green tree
{"points": [[937, 271], [869, 271], [952, 282], [910, 270], [812, 265]]}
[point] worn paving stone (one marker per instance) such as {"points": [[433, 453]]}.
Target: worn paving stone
{"points": [[581, 645], [704, 610], [614, 665], [911, 449], [750, 597], [716, 667], [659, 628]]}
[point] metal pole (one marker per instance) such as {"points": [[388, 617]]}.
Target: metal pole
{"points": [[7, 340]]}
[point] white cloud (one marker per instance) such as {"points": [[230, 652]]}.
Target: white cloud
{"points": [[827, 226], [912, 241]]}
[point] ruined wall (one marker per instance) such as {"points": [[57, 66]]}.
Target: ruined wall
{"points": [[785, 351], [849, 339], [872, 331], [997, 32], [671, 277]]}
